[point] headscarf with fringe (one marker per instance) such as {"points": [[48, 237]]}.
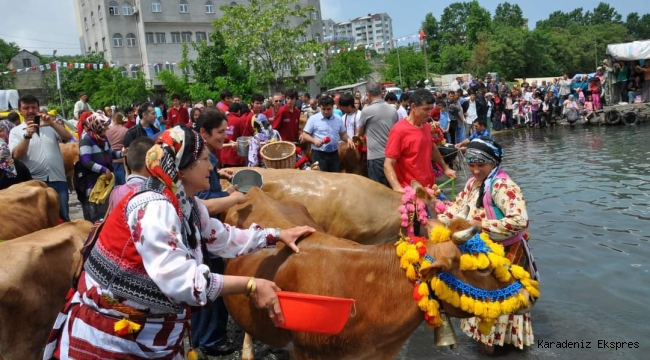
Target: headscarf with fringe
{"points": [[485, 150]]}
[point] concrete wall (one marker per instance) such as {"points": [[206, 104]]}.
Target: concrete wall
{"points": [[32, 79]]}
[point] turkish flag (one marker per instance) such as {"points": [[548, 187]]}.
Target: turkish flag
{"points": [[422, 36]]}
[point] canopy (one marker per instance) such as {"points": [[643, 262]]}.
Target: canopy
{"points": [[636, 50]]}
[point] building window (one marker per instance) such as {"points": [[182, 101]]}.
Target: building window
{"points": [[187, 37], [201, 36], [157, 68], [176, 38], [169, 67], [233, 4], [126, 8], [27, 63], [86, 24], [117, 40], [160, 38], [83, 2], [209, 7], [92, 18], [149, 38], [103, 44], [156, 6], [124, 72], [314, 15], [185, 9], [317, 37], [113, 9], [130, 40], [134, 71], [96, 46], [99, 12], [186, 70]]}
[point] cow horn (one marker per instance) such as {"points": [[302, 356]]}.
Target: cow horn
{"points": [[461, 236]]}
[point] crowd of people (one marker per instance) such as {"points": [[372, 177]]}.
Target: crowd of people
{"points": [[175, 158]]}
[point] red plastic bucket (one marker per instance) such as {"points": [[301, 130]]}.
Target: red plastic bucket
{"points": [[314, 313]]}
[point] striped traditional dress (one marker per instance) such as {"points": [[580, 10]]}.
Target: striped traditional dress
{"points": [[144, 269]]}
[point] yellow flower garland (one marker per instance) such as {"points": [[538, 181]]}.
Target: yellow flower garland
{"points": [[413, 257]]}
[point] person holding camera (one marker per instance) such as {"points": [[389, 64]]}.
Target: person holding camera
{"points": [[35, 142]]}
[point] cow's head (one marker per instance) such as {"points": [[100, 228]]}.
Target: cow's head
{"points": [[471, 276]]}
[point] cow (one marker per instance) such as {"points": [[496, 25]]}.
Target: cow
{"points": [[27, 207], [386, 313], [345, 205], [353, 161], [70, 153], [34, 281]]}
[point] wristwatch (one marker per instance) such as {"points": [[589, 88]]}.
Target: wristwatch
{"points": [[27, 137]]}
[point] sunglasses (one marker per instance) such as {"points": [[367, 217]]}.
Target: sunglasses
{"points": [[278, 101]]}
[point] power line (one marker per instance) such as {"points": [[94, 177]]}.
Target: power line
{"points": [[47, 41]]}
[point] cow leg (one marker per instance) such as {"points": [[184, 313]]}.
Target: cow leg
{"points": [[248, 349]]}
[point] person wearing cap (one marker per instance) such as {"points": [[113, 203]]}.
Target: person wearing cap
{"points": [[96, 156], [494, 203], [81, 106]]}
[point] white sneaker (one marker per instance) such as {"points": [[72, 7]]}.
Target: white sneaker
{"points": [[622, 103]]}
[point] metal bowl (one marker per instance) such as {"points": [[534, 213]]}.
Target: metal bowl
{"points": [[247, 179]]}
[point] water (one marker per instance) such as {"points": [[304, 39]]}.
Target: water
{"points": [[588, 191]]}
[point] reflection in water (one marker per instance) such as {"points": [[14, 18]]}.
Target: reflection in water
{"points": [[588, 191]]}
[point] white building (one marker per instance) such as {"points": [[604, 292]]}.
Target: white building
{"points": [[375, 30], [135, 32]]}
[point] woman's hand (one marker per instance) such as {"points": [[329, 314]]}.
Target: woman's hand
{"points": [[266, 298], [226, 174], [291, 235], [109, 174]]}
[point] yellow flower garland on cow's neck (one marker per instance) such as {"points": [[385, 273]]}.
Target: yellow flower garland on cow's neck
{"points": [[478, 253]]}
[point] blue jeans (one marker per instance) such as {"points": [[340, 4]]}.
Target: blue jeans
{"points": [[61, 188], [120, 175], [376, 171], [460, 133], [209, 323]]}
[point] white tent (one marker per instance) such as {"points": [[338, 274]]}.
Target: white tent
{"points": [[636, 50], [7, 98]]}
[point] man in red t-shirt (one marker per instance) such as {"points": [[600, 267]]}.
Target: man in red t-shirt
{"points": [[409, 150], [237, 126], [177, 115], [287, 119], [276, 103]]}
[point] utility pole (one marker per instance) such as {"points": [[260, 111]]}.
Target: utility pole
{"points": [[58, 83], [399, 65]]}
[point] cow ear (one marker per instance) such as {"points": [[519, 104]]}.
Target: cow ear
{"points": [[356, 139], [427, 271], [420, 191]]}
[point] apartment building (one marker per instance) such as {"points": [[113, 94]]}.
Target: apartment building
{"points": [[375, 30], [135, 32]]}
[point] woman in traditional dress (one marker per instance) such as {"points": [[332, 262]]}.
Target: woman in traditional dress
{"points": [[494, 202], [142, 275], [12, 171]]}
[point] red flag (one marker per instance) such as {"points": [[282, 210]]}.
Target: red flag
{"points": [[70, 65], [422, 36]]}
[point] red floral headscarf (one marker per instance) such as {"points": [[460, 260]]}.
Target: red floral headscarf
{"points": [[175, 150]]}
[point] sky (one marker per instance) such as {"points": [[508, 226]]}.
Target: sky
{"points": [[47, 25]]}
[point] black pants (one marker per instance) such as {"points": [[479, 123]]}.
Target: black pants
{"points": [[452, 132], [327, 161], [376, 171]]}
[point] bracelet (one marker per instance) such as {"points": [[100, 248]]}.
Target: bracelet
{"points": [[273, 236], [251, 286]]}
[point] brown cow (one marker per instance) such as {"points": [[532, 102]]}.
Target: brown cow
{"points": [[353, 161], [386, 313], [345, 205], [34, 281], [70, 153], [27, 207]]}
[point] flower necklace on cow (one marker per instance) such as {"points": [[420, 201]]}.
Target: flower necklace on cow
{"points": [[478, 253]]}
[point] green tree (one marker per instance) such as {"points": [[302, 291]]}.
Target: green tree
{"points": [[506, 50], [509, 15], [638, 26], [461, 23], [431, 30], [7, 51], [603, 14], [270, 36], [412, 65], [453, 59], [346, 67]]}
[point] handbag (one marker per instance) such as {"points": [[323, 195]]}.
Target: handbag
{"points": [[503, 117]]}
